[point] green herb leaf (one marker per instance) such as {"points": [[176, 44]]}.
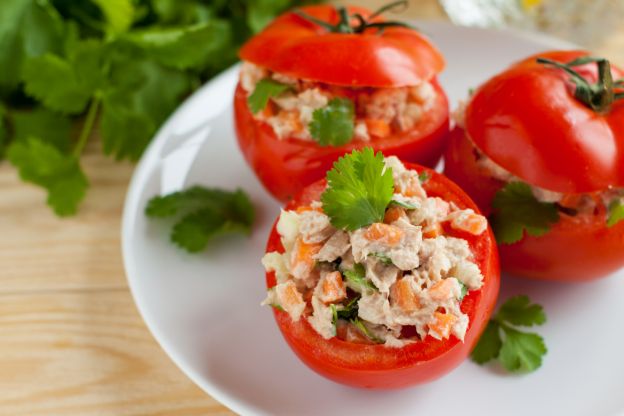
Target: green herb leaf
{"points": [[265, 89], [424, 176], [517, 211], [364, 330], [203, 214], [517, 351], [43, 164], [54, 127], [383, 258], [403, 204], [489, 344], [357, 281], [616, 212], [359, 188], [521, 351], [261, 12], [119, 14], [333, 124], [463, 292], [350, 310], [177, 47], [518, 310], [3, 130]]}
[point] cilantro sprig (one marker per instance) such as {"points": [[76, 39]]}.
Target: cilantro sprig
{"points": [[516, 350], [517, 211], [333, 124], [120, 67], [359, 188], [202, 214]]}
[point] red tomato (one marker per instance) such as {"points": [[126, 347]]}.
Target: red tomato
{"points": [[295, 47], [298, 48], [377, 366], [575, 248], [528, 121]]}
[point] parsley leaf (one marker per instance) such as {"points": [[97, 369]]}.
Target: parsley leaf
{"points": [[616, 212], [265, 89], [40, 122], [517, 211], [333, 124], [45, 165], [356, 279], [517, 351], [359, 188], [119, 14], [203, 213]]}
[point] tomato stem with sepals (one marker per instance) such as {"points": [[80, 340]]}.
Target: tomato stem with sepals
{"points": [[87, 127], [599, 96], [344, 23]]}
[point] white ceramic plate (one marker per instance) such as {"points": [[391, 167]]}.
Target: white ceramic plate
{"points": [[204, 309]]}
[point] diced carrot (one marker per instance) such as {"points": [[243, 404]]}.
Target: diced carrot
{"points": [[290, 300], [332, 288], [570, 200], [292, 117], [305, 208], [304, 253], [433, 230], [442, 324], [403, 296], [474, 224], [411, 188], [269, 110], [442, 290], [394, 213], [377, 127], [384, 233]]}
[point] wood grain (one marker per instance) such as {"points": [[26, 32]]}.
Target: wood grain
{"points": [[71, 340]]}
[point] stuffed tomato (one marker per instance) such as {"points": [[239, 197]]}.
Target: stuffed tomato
{"points": [[540, 147], [321, 81], [384, 275]]}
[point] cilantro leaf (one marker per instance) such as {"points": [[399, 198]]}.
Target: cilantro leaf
{"points": [[382, 258], [424, 176], [517, 211], [521, 351], [356, 279], [616, 213], [350, 310], [364, 330], [177, 47], [265, 89], [359, 188], [40, 122], [141, 96], [518, 310], [261, 12], [43, 164], [3, 130], [489, 344], [202, 214], [65, 84], [119, 14], [333, 124], [28, 28], [517, 351], [403, 204]]}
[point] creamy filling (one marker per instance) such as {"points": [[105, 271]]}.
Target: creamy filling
{"points": [[379, 112], [395, 282]]}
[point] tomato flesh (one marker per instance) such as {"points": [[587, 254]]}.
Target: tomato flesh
{"points": [[377, 366], [576, 248], [285, 166]]}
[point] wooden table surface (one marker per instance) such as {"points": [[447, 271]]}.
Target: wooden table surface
{"points": [[71, 340]]}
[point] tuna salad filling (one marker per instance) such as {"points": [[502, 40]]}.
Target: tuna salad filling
{"points": [[378, 112], [594, 203], [393, 282]]}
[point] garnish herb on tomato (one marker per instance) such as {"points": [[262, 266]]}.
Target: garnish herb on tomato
{"points": [[549, 171], [374, 294], [321, 81]]}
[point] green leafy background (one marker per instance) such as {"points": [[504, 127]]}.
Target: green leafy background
{"points": [[69, 66]]}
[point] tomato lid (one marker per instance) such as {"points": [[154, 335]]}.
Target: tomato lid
{"points": [[297, 47], [529, 121]]}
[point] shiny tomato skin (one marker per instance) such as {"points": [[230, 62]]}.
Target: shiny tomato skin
{"points": [[527, 120], [379, 367], [300, 49], [575, 249], [285, 166]]}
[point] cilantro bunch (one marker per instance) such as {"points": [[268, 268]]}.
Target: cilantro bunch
{"points": [[69, 66]]}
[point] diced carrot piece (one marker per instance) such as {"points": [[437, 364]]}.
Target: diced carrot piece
{"points": [[411, 188], [384, 233], [292, 117], [269, 110], [570, 200], [403, 296], [442, 324], [304, 253], [332, 288], [305, 208], [442, 290], [433, 230], [377, 127], [290, 300], [394, 213], [474, 224]]}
